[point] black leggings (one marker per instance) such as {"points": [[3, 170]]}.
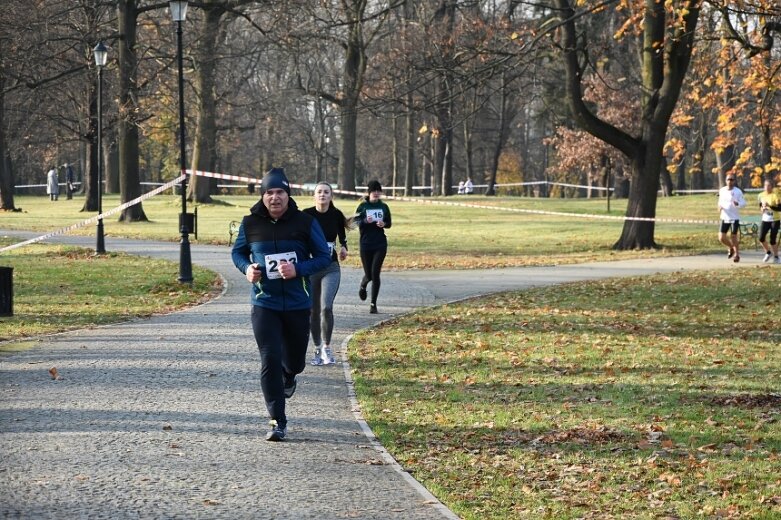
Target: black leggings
{"points": [[282, 338], [372, 265], [771, 227]]}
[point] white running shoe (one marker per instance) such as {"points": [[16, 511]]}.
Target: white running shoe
{"points": [[317, 360], [768, 257], [328, 357]]}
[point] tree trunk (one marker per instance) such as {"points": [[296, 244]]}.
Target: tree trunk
{"points": [[680, 175], [447, 165], [129, 181], [266, 153], [89, 185], [349, 122], [395, 152], [409, 173], [111, 161], [696, 173], [443, 164], [427, 154], [352, 82], [6, 179], [765, 156], [205, 141], [468, 148], [501, 139], [725, 162], [639, 234], [667, 180]]}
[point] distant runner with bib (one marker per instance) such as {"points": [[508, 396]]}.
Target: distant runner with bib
{"points": [[770, 206], [277, 248], [373, 217]]}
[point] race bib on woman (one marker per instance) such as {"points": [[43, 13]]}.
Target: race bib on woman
{"points": [[373, 215]]}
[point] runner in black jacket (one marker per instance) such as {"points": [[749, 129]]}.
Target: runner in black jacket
{"points": [[277, 248]]}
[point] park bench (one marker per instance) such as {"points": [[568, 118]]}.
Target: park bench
{"points": [[749, 230], [233, 229]]}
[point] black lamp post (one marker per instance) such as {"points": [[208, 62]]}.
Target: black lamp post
{"points": [[101, 54], [179, 13]]}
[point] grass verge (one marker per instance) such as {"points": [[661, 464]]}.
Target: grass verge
{"points": [[655, 397], [58, 288]]}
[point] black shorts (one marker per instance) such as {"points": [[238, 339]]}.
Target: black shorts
{"points": [[732, 226]]}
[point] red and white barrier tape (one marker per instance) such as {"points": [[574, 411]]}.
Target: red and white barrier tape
{"points": [[255, 180], [94, 219]]}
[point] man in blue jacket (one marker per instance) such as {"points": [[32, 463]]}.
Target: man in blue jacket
{"points": [[277, 248]]}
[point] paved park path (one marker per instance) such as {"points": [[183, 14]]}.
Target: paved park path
{"points": [[163, 417]]}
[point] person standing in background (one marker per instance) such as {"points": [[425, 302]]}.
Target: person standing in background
{"points": [[52, 184], [69, 180], [373, 217], [730, 201], [325, 283], [770, 206]]}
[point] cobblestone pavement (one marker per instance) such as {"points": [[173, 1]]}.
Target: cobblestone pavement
{"points": [[163, 417]]}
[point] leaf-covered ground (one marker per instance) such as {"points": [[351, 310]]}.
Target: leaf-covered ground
{"points": [[650, 397]]}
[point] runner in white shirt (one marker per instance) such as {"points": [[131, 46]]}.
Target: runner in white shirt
{"points": [[730, 201]]}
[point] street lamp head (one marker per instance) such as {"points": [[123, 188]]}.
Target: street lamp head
{"points": [[178, 10], [101, 54]]}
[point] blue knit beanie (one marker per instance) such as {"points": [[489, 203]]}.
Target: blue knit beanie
{"points": [[275, 178]]}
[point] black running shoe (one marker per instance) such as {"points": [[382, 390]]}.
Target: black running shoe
{"points": [[373, 308], [277, 433], [362, 293]]}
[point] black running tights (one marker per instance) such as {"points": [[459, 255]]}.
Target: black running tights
{"points": [[372, 265]]}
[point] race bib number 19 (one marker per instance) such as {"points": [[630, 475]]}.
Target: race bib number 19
{"points": [[273, 262]]}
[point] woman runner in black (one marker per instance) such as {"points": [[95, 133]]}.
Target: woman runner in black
{"points": [[325, 283], [373, 217]]}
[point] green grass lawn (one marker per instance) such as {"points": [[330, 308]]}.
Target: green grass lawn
{"points": [[424, 235], [656, 397], [58, 288]]}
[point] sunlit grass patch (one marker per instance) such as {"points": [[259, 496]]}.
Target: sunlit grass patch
{"points": [[636, 397], [60, 288]]}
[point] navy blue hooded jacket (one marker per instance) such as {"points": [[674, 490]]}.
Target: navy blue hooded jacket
{"points": [[294, 234]]}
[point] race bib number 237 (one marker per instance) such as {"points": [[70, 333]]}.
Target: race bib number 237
{"points": [[274, 261]]}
